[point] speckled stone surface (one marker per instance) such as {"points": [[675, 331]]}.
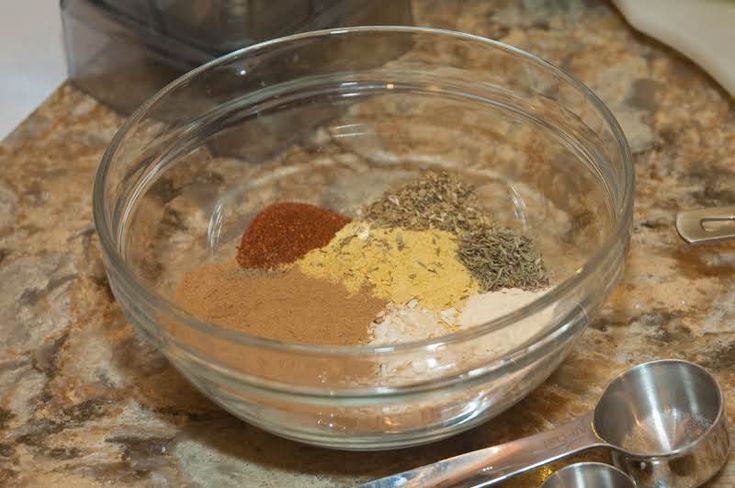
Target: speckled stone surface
{"points": [[85, 403]]}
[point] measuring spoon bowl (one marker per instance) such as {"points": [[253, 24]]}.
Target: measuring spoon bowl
{"points": [[589, 475], [666, 423], [663, 421]]}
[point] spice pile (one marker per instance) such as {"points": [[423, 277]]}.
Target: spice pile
{"points": [[422, 261], [283, 232], [497, 257], [394, 264]]}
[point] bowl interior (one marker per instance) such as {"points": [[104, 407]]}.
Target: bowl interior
{"points": [[340, 140], [335, 119]]}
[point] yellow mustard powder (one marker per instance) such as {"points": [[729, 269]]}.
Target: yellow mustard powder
{"points": [[394, 264]]}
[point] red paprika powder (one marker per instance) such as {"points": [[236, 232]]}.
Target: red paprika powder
{"points": [[281, 233]]}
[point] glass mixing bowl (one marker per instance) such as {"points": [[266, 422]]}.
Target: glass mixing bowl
{"points": [[334, 118]]}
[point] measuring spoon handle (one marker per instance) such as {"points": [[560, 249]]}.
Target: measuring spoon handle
{"points": [[690, 224], [486, 467]]}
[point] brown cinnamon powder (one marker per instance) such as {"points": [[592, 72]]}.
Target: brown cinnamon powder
{"points": [[287, 306]]}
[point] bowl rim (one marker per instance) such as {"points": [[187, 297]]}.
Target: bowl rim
{"points": [[617, 233]]}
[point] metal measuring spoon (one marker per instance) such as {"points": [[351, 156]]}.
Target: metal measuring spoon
{"points": [[691, 224], [589, 475], [663, 421]]}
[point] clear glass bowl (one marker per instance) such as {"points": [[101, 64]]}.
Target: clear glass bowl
{"points": [[334, 118]]}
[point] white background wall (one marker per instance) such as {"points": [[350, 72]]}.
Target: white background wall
{"points": [[31, 57]]}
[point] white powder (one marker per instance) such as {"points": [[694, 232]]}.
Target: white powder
{"points": [[411, 322]]}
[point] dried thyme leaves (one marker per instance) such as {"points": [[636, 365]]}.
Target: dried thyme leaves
{"points": [[499, 258], [437, 200], [496, 257]]}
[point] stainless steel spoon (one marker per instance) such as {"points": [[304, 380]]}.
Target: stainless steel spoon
{"points": [[692, 225], [589, 475], [663, 421]]}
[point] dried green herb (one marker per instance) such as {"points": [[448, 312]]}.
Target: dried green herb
{"points": [[496, 256], [500, 258], [437, 200]]}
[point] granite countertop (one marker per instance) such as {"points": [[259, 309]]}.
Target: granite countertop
{"points": [[84, 402]]}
